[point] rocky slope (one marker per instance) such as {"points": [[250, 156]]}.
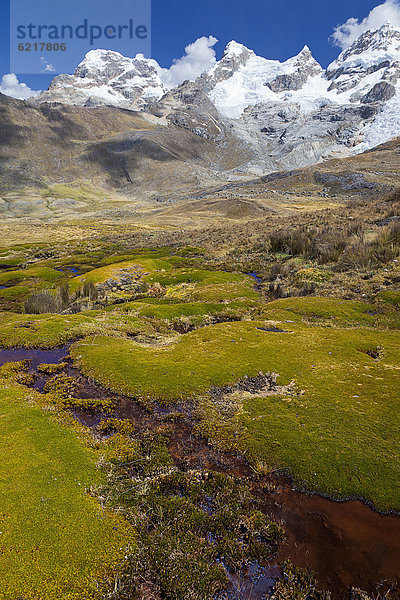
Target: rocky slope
{"points": [[102, 154], [111, 165]]}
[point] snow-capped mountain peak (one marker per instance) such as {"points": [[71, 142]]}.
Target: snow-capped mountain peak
{"points": [[108, 77], [382, 41], [234, 56], [108, 64], [373, 50], [304, 57], [369, 69], [234, 49], [252, 79], [95, 63]]}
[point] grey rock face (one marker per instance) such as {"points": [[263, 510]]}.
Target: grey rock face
{"points": [[304, 67], [381, 92], [347, 78], [189, 107], [284, 83], [288, 138]]}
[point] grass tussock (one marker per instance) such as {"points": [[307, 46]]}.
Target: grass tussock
{"points": [[297, 584], [193, 527]]}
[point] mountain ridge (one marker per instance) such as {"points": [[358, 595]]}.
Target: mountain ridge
{"points": [[152, 144], [289, 113]]}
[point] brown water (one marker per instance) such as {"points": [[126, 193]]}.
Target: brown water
{"points": [[35, 355], [346, 544]]}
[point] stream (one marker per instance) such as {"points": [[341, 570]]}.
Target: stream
{"points": [[346, 544]]}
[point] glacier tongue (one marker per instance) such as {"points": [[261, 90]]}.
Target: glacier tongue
{"points": [[385, 126]]}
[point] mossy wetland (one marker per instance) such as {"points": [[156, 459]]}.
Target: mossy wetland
{"points": [[204, 414]]}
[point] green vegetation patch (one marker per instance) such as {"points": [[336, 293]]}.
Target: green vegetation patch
{"points": [[337, 434], [390, 296], [227, 292], [51, 369], [45, 331], [89, 405], [43, 273], [56, 541], [51, 330], [338, 311], [15, 292], [195, 276], [171, 311], [77, 191]]}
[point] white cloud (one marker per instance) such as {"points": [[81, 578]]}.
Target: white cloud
{"points": [[10, 86], [48, 68], [198, 58], [344, 35]]}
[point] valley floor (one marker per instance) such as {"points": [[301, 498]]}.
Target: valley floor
{"points": [[190, 374]]}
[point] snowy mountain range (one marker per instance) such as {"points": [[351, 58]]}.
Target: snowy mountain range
{"points": [[280, 114]]}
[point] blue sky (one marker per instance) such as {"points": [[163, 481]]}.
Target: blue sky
{"points": [[273, 28]]}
